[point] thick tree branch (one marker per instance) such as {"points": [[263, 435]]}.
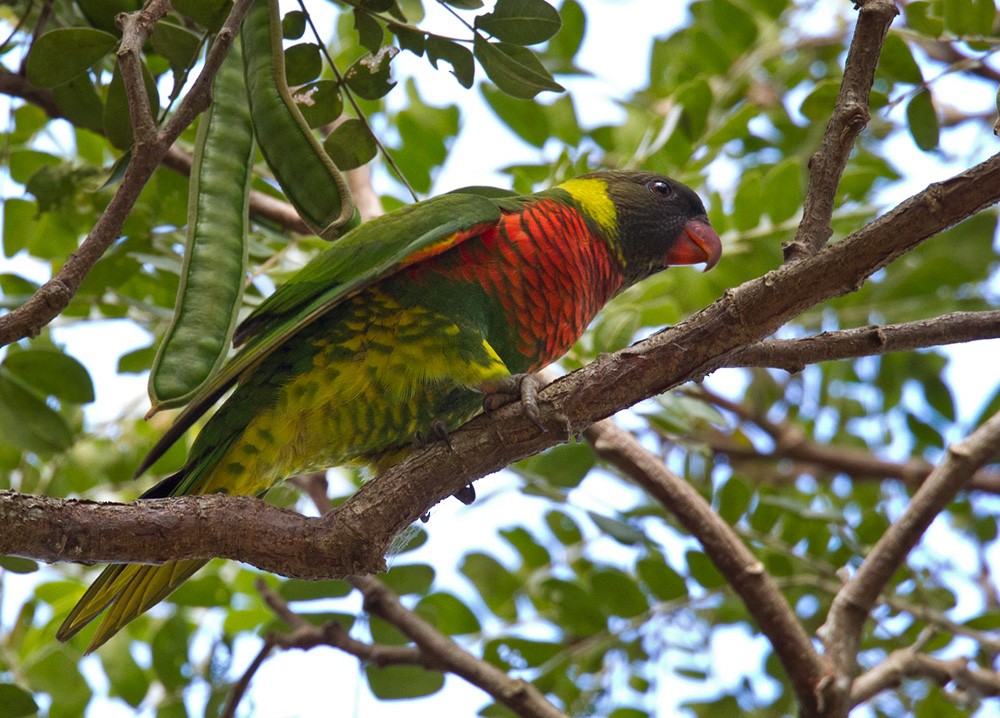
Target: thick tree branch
{"points": [[354, 538], [851, 606], [28, 319], [742, 570]]}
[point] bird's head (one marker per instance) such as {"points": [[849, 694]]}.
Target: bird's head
{"points": [[658, 222]]}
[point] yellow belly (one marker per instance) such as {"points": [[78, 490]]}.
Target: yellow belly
{"points": [[384, 373]]}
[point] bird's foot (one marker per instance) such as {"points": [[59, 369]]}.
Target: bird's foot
{"points": [[438, 432], [523, 387]]}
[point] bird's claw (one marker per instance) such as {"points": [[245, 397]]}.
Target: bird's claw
{"points": [[523, 387]]}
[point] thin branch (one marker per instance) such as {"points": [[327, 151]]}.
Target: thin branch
{"points": [[243, 684], [906, 663], [850, 115], [436, 650], [742, 570], [791, 443], [305, 635], [851, 606], [518, 695], [53, 296], [793, 355], [136, 29]]}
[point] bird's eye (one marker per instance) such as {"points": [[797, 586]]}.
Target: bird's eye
{"points": [[660, 187]]}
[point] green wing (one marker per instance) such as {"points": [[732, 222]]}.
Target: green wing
{"points": [[365, 255]]}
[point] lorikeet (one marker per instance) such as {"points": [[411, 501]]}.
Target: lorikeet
{"points": [[402, 325]]}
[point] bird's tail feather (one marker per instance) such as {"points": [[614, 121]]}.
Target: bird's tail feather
{"points": [[127, 591]]}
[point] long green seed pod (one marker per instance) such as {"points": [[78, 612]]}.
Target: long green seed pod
{"points": [[215, 257], [306, 174]]}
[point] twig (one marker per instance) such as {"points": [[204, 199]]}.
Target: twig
{"points": [[850, 115], [851, 606], [742, 570]]}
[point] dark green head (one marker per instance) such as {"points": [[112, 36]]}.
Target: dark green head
{"points": [[655, 221]]}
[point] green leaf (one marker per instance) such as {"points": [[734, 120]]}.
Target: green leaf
{"points": [[320, 102], [170, 652], [117, 122], [206, 591], [459, 57], [733, 500], [27, 422], [448, 614], [496, 585], [53, 373], [16, 701], [397, 682], [747, 206], [819, 104], [897, 62], [295, 589], [102, 13], [703, 570], [465, 4], [128, 681], [514, 69], [565, 465], [783, 190], [563, 527], [921, 16], [303, 63], [574, 608], [618, 594], [532, 553], [80, 104], [370, 33], [209, 14], [566, 43], [622, 532], [409, 39], [526, 118], [18, 564], [369, 76], [665, 583], [293, 25], [60, 55], [57, 674], [178, 44], [409, 578], [350, 145], [519, 653], [522, 22], [922, 121]]}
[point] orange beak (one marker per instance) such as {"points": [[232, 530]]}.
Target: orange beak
{"points": [[697, 243]]}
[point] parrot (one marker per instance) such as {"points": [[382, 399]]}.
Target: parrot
{"points": [[400, 329]]}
